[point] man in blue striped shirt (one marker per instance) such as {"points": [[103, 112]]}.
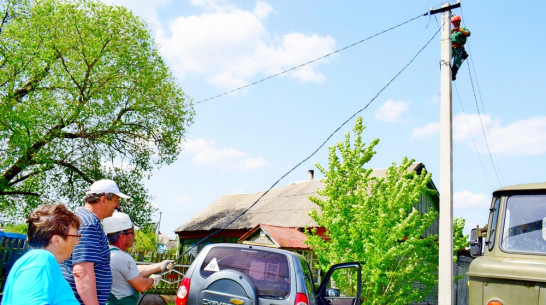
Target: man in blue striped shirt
{"points": [[88, 269]]}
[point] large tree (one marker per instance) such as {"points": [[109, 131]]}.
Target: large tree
{"points": [[84, 95], [375, 221]]}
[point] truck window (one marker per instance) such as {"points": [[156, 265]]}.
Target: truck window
{"points": [[493, 216], [523, 225]]}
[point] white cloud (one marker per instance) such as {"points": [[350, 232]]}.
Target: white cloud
{"points": [[521, 138], [468, 200], [231, 47], [206, 154], [262, 9], [525, 137], [474, 208], [391, 111], [425, 131]]}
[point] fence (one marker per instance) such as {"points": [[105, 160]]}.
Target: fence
{"points": [[12, 246], [171, 279]]}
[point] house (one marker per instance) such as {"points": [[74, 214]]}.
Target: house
{"points": [[275, 218]]}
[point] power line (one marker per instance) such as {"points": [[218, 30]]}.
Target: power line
{"points": [[472, 135], [311, 61], [482, 126], [478, 109], [317, 149]]}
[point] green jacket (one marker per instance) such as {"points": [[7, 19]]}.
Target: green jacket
{"points": [[458, 38]]}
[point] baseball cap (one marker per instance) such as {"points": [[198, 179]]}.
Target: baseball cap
{"points": [[106, 186]]}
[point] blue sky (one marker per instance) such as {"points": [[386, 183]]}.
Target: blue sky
{"points": [[245, 141]]}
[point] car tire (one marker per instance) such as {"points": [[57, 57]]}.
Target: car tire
{"points": [[228, 287]]}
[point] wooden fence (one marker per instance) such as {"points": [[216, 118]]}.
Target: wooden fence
{"points": [[171, 279]]}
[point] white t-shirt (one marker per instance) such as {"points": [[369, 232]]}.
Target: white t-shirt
{"points": [[124, 268]]}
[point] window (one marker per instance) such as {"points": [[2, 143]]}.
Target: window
{"points": [[493, 215], [523, 229], [268, 271], [308, 278]]}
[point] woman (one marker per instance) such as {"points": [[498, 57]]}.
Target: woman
{"points": [[36, 277]]}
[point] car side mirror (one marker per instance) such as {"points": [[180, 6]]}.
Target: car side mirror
{"points": [[332, 292], [475, 243]]}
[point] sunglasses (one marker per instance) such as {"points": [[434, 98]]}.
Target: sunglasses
{"points": [[77, 236], [128, 232]]}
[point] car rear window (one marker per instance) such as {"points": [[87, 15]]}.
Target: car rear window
{"points": [[268, 271]]}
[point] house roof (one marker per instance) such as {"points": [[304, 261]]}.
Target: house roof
{"points": [[284, 206], [279, 237]]}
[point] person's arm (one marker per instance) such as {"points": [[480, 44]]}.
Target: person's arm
{"points": [[141, 283], [146, 270], [84, 277]]}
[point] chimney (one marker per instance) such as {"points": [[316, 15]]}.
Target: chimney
{"points": [[311, 174]]}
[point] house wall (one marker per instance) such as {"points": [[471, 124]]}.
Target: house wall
{"points": [[427, 202]]}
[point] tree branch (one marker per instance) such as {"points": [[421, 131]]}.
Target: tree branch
{"points": [[27, 157], [19, 193], [72, 167]]}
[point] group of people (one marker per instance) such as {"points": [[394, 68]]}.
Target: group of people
{"points": [[76, 259]]}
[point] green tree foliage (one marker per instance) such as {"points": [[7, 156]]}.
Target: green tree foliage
{"points": [[84, 95], [375, 221], [145, 240], [16, 228]]}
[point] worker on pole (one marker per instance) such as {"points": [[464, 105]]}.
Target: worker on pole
{"points": [[458, 39]]}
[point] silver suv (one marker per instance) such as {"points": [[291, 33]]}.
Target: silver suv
{"points": [[235, 274]]}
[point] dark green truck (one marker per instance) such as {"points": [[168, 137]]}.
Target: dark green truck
{"points": [[510, 268]]}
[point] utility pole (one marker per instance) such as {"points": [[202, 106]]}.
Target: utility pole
{"points": [[158, 228], [445, 264]]}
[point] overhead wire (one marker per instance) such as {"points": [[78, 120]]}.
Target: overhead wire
{"points": [[317, 149], [484, 127], [474, 142], [311, 61]]}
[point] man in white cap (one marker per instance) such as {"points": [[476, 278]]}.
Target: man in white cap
{"points": [[128, 278], [88, 269]]}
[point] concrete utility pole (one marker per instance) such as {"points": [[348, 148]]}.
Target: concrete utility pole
{"points": [[445, 264]]}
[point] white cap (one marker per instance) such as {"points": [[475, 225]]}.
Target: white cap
{"points": [[106, 186], [116, 223]]}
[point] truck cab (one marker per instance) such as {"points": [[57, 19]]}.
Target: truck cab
{"points": [[510, 251]]}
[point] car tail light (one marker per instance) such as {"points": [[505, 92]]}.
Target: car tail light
{"points": [[494, 303], [183, 291], [301, 299]]}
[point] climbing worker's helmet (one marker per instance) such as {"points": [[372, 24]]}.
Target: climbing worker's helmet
{"points": [[455, 18]]}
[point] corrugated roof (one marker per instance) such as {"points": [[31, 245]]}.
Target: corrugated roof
{"points": [[285, 238], [285, 206]]}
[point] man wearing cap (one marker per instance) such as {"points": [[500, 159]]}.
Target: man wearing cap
{"points": [[128, 278], [88, 269]]}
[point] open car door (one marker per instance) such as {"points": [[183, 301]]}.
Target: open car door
{"points": [[342, 285]]}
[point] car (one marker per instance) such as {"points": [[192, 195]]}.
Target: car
{"points": [[238, 274]]}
